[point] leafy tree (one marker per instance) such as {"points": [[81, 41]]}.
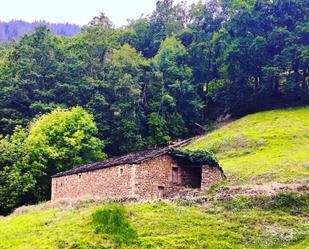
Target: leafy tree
{"points": [[55, 142], [37, 77], [102, 20], [61, 140], [124, 76], [146, 35], [17, 175], [158, 133], [177, 75]]}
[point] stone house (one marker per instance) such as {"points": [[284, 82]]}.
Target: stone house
{"points": [[148, 174]]}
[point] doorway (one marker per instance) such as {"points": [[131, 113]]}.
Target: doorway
{"points": [[192, 177], [160, 192], [175, 175]]}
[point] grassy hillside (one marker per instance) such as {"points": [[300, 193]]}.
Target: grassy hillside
{"points": [[259, 223], [265, 147], [270, 146]]}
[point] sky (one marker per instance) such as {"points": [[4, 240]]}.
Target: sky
{"points": [[76, 11]]}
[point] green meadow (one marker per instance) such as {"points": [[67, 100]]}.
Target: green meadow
{"points": [[265, 147], [242, 223]]}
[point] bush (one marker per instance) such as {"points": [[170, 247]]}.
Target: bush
{"points": [[290, 201], [112, 221]]}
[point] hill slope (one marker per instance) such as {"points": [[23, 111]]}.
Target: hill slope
{"points": [[271, 146], [238, 224], [259, 148]]}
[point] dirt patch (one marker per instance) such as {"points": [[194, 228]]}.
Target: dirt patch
{"points": [[228, 193]]}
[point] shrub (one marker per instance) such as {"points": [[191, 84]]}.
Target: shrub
{"points": [[290, 201], [112, 221]]}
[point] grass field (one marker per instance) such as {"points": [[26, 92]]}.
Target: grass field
{"points": [[237, 224], [271, 146]]}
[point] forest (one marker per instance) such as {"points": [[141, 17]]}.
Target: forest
{"points": [[16, 29], [107, 91]]}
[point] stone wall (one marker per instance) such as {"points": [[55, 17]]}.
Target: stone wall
{"points": [[152, 175], [146, 180], [210, 176], [102, 183], [136, 180]]}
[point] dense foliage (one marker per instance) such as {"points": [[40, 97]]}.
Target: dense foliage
{"points": [[157, 79], [52, 143]]}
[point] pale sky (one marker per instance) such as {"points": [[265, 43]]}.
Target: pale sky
{"points": [[76, 11]]}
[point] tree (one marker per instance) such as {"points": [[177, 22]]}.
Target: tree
{"points": [[146, 34], [39, 73], [17, 175], [54, 142], [64, 138], [158, 132], [102, 20], [124, 76], [177, 77]]}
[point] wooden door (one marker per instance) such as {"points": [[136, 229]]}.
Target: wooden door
{"points": [[175, 175], [160, 192]]}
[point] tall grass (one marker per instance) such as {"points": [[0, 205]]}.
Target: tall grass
{"points": [[112, 221], [286, 202]]}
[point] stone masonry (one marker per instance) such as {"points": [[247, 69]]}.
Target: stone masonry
{"points": [[210, 176], [150, 179]]}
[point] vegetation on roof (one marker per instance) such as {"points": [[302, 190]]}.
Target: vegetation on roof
{"points": [[196, 156]]}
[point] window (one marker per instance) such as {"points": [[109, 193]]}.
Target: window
{"points": [[121, 171], [160, 192], [175, 175], [80, 176]]}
